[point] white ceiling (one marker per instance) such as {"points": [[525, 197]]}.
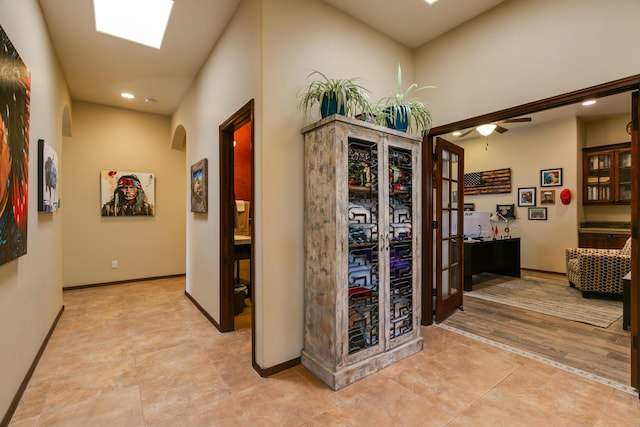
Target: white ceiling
{"points": [[99, 67]]}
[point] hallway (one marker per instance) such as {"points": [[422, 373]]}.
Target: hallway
{"points": [[140, 354]]}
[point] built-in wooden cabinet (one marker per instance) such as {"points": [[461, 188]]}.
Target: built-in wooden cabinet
{"points": [[602, 240], [362, 248], [607, 174]]}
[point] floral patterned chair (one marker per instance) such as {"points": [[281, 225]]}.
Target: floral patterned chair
{"points": [[598, 270]]}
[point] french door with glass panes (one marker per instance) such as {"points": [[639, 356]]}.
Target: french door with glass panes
{"points": [[448, 186]]}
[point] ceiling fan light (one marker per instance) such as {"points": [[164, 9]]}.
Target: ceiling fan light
{"points": [[486, 130]]}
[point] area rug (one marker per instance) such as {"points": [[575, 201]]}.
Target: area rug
{"points": [[552, 298]]}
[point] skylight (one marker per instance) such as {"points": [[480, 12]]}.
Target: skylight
{"points": [[139, 21]]}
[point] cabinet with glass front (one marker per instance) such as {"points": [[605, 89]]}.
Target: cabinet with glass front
{"points": [[362, 248], [607, 174]]}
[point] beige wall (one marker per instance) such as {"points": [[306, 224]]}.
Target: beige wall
{"points": [[526, 151], [524, 51], [106, 138], [228, 80], [31, 286], [258, 58], [342, 48]]}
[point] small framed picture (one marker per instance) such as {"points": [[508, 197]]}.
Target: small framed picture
{"points": [[547, 197], [199, 192], [538, 213], [506, 211], [551, 177], [527, 196], [469, 207]]}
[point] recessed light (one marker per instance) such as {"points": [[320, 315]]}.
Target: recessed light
{"points": [[431, 1], [127, 95], [589, 102], [139, 21], [150, 100], [456, 133]]}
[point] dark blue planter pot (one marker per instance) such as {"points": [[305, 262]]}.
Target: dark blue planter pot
{"points": [[402, 120], [329, 107]]}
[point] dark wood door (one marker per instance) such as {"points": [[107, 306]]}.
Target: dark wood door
{"points": [[635, 248], [449, 182]]}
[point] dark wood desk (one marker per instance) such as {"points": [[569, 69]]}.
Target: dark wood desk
{"points": [[500, 256]]}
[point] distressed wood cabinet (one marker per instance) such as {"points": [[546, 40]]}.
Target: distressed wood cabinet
{"points": [[362, 249]]}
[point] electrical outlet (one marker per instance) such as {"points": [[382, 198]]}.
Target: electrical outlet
{"points": [[114, 263]]}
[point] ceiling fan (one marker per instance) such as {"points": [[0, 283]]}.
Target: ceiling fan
{"points": [[498, 128]]}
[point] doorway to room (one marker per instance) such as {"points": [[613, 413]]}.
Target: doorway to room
{"points": [[630, 84], [236, 220]]}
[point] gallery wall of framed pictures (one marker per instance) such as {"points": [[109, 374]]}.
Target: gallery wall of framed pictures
{"points": [[536, 200]]}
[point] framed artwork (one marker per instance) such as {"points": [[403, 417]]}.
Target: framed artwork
{"points": [[199, 194], [127, 193], [506, 211], [547, 197], [487, 182], [15, 88], [551, 177], [527, 196], [47, 178], [538, 213], [469, 206]]}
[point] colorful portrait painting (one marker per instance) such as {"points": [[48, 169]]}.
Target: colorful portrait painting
{"points": [[127, 193], [15, 86]]}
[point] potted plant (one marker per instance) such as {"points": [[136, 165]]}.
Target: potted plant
{"points": [[335, 96], [404, 111]]}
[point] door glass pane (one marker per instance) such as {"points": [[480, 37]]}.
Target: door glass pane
{"points": [[400, 242], [454, 195], [454, 223], [445, 283], [454, 279], [445, 253], [455, 244], [445, 195], [446, 172], [445, 223], [454, 165], [363, 267]]}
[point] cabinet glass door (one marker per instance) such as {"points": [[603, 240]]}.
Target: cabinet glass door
{"points": [[400, 242], [363, 261], [624, 176], [599, 177]]}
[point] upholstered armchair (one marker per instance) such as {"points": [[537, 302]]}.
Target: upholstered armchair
{"points": [[598, 270]]}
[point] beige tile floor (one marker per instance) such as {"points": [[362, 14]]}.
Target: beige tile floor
{"points": [[140, 354]]}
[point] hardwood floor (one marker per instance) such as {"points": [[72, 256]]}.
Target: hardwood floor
{"points": [[599, 351]]}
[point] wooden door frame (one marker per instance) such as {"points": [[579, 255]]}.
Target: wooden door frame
{"points": [[426, 293], [227, 218], [628, 84], [635, 244]]}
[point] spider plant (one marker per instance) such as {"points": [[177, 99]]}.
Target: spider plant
{"points": [[341, 96], [403, 110]]}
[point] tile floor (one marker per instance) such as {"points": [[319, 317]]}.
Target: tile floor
{"points": [[140, 354]]}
